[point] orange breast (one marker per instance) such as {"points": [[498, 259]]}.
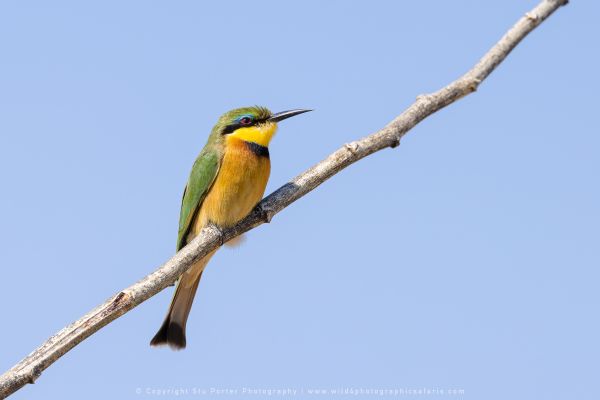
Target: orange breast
{"points": [[239, 186]]}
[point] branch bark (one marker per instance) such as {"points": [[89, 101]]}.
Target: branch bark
{"points": [[31, 367]]}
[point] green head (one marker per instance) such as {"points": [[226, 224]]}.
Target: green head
{"points": [[252, 124]]}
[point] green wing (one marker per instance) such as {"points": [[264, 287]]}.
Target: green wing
{"points": [[203, 174]]}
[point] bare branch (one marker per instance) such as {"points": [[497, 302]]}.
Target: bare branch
{"points": [[31, 367]]}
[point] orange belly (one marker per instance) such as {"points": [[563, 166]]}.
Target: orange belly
{"points": [[239, 186]]}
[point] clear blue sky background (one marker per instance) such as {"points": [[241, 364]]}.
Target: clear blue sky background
{"points": [[466, 258]]}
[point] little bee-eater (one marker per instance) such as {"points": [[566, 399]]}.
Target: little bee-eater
{"points": [[227, 180]]}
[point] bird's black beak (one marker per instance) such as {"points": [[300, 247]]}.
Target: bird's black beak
{"points": [[280, 116]]}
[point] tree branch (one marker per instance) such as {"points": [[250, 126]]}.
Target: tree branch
{"points": [[31, 367]]}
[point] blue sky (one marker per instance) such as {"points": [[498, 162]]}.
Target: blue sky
{"points": [[467, 258]]}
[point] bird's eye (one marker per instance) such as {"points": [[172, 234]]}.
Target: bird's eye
{"points": [[245, 120]]}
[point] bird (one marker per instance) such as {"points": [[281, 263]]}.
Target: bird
{"points": [[227, 180]]}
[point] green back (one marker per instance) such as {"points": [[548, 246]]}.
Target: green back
{"points": [[203, 174]]}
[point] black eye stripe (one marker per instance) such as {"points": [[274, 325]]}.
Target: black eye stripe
{"points": [[236, 125]]}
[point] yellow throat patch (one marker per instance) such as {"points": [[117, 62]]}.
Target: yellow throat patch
{"points": [[260, 134]]}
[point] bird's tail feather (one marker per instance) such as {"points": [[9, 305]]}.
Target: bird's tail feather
{"points": [[172, 331]]}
